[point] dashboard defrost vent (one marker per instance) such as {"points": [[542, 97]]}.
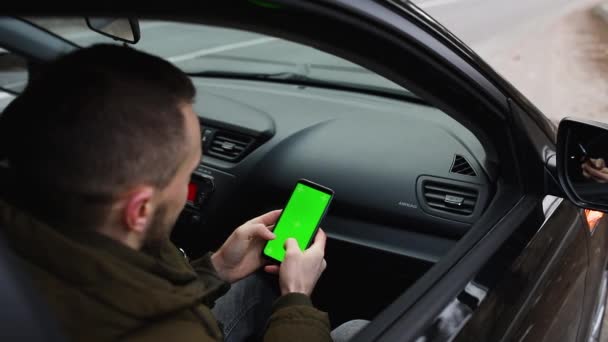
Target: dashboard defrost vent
{"points": [[449, 198], [461, 166], [229, 146]]}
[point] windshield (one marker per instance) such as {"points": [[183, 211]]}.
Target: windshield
{"points": [[197, 49]]}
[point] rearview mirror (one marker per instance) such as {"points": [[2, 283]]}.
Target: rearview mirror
{"points": [[123, 29], [582, 158]]}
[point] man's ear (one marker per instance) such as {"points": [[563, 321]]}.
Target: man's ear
{"points": [[138, 210]]}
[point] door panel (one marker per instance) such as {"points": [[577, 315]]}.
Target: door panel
{"points": [[534, 293], [597, 237]]}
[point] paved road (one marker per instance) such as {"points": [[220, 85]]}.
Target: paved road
{"points": [[490, 25], [561, 67]]}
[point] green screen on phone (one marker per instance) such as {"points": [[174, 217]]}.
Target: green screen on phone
{"points": [[298, 220]]}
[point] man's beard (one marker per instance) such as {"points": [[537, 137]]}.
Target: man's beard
{"points": [[159, 230]]}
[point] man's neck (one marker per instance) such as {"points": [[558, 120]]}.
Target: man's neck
{"points": [[122, 236]]}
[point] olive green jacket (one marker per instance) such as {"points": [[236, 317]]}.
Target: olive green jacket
{"points": [[102, 290]]}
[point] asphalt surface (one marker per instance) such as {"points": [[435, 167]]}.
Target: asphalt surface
{"points": [[489, 25], [562, 66]]}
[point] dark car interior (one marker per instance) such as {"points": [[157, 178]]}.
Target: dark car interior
{"points": [[408, 180]]}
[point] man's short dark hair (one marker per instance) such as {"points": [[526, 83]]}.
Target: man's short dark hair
{"points": [[92, 124]]}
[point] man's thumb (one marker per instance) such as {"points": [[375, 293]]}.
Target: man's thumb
{"points": [[291, 244]]}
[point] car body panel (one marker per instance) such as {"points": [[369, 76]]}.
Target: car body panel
{"points": [[594, 301], [535, 282]]}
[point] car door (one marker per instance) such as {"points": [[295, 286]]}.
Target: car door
{"points": [[527, 265], [596, 285], [534, 284], [532, 269], [524, 279]]}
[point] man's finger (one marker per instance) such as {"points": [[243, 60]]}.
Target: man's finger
{"points": [[586, 174], [248, 230], [263, 232], [596, 173], [291, 245], [272, 269], [591, 162], [598, 163], [268, 219], [320, 240]]}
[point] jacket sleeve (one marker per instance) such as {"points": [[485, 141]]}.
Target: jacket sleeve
{"points": [[208, 275], [294, 319]]}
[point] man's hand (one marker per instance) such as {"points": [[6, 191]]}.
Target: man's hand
{"points": [[596, 170], [300, 270], [241, 254]]}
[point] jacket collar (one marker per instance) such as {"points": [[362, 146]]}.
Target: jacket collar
{"points": [[133, 282]]}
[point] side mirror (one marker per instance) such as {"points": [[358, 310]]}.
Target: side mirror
{"points": [[123, 29], [582, 157]]}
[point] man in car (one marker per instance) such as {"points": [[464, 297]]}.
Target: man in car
{"points": [[101, 145], [595, 169]]}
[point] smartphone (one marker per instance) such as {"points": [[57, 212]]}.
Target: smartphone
{"points": [[300, 219]]}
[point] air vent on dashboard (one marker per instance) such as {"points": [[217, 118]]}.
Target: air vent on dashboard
{"points": [[461, 166], [449, 198], [229, 146]]}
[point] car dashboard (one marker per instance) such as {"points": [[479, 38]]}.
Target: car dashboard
{"points": [[408, 179]]}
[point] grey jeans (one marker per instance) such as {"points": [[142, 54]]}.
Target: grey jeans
{"points": [[244, 310]]}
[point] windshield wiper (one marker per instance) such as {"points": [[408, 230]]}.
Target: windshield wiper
{"points": [[301, 79], [285, 75]]}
